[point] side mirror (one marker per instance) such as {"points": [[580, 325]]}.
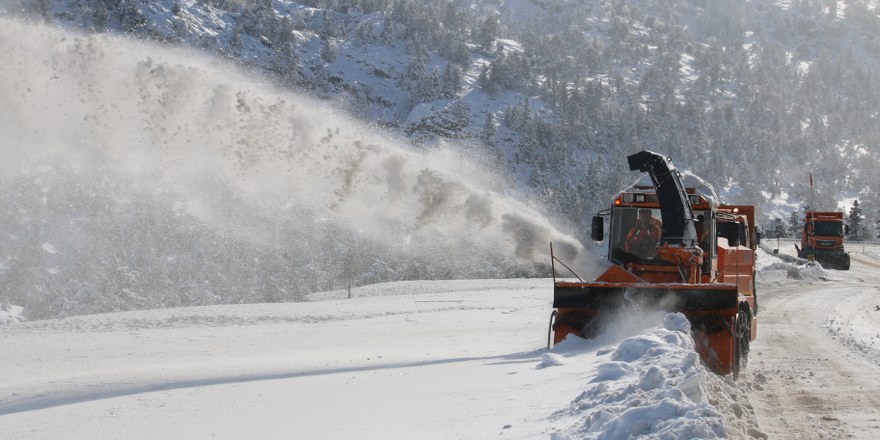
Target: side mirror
{"points": [[845, 229], [597, 229], [757, 237]]}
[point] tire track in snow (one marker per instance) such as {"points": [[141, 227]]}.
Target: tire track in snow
{"points": [[806, 384], [121, 388]]}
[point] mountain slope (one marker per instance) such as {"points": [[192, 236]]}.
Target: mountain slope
{"points": [[753, 96]]}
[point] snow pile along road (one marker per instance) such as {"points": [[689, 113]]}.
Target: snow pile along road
{"points": [[784, 269], [10, 314], [652, 385]]}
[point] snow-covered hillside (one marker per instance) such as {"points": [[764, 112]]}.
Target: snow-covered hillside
{"points": [[753, 96]]}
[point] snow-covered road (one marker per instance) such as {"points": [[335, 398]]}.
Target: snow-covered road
{"points": [[815, 367]]}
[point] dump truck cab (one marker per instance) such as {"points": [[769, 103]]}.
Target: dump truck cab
{"points": [[822, 239]]}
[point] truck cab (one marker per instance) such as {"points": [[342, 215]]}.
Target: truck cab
{"points": [[720, 229], [822, 239]]}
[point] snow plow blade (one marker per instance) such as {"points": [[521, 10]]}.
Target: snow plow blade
{"points": [[668, 297], [837, 261], [585, 309]]}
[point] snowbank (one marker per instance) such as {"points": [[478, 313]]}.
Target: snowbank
{"points": [[652, 385], [780, 269], [10, 314]]}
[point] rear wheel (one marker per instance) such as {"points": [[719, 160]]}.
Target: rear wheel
{"points": [[744, 341], [737, 347], [741, 342]]}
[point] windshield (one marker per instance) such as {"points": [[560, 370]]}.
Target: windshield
{"points": [[635, 231], [827, 229], [628, 239]]}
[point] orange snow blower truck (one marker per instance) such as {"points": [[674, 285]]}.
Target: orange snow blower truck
{"points": [[672, 247]]}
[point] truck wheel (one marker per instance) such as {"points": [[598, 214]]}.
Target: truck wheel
{"points": [[740, 343]]}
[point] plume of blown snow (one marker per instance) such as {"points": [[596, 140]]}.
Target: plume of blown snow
{"points": [[229, 148]]}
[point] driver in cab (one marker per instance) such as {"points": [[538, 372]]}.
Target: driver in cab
{"points": [[643, 238]]}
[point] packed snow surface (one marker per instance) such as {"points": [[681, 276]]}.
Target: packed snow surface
{"points": [[431, 359]]}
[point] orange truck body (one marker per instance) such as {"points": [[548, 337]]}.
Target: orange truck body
{"points": [[711, 279], [822, 239]]}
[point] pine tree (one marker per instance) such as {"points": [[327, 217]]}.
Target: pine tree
{"points": [[329, 50], [131, 18], [487, 33], [856, 230], [414, 78], [488, 135], [776, 228], [878, 225], [451, 83], [795, 224]]}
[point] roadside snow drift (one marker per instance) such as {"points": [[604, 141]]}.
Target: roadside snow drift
{"points": [[650, 386]]}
